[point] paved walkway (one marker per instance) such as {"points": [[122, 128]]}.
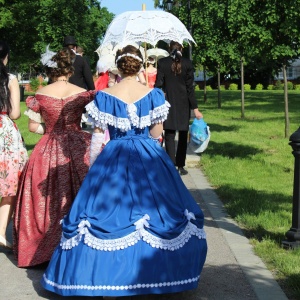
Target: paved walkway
{"points": [[231, 271]]}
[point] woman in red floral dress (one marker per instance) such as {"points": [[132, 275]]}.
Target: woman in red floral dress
{"points": [[57, 165]]}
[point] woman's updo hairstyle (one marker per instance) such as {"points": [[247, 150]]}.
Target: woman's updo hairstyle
{"points": [[129, 60], [64, 59], [175, 53]]}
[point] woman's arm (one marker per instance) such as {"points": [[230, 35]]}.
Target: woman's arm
{"points": [[156, 130], [15, 99], [97, 144], [142, 78], [111, 79], [98, 130], [36, 127]]}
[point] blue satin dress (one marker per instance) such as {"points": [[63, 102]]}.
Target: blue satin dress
{"points": [[133, 228]]}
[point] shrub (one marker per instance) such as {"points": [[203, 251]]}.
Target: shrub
{"points": [[34, 84], [222, 87], [270, 87], [233, 87], [290, 85], [247, 87], [208, 88], [197, 88], [297, 87], [259, 87], [278, 85]]}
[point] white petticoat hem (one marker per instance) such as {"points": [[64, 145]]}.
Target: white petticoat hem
{"points": [[120, 287], [139, 234]]}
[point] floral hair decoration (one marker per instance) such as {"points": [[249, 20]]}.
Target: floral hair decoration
{"points": [[129, 54], [46, 58]]}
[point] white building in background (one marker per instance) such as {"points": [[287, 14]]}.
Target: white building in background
{"points": [[199, 76], [292, 72]]}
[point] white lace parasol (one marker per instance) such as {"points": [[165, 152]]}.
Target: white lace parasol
{"points": [[157, 53], [145, 27]]}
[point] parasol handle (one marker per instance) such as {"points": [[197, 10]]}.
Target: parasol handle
{"points": [[146, 73]]}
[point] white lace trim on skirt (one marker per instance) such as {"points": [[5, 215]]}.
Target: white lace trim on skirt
{"points": [[120, 287], [139, 234]]}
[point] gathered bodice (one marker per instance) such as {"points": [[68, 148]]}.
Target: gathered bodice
{"points": [[60, 115], [126, 120]]}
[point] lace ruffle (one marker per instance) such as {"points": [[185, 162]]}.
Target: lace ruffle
{"points": [[33, 115], [101, 119], [120, 287], [134, 237], [159, 114]]}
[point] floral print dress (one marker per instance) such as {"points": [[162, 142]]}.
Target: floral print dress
{"points": [[13, 155]]}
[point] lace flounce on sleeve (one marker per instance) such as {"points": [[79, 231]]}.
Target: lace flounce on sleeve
{"points": [[106, 110], [160, 107], [153, 109], [33, 109]]}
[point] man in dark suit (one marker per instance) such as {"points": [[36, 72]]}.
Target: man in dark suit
{"points": [[175, 75], [82, 76]]}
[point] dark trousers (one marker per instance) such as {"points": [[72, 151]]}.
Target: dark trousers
{"points": [[178, 156]]}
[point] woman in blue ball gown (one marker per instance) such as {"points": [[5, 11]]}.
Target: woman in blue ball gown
{"points": [[133, 228]]}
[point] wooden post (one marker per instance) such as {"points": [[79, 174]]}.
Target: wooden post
{"points": [[145, 47]]}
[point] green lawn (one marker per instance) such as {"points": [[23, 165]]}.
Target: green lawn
{"points": [[250, 164], [30, 138]]}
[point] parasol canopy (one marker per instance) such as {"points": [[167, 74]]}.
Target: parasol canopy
{"points": [[146, 27], [157, 53], [110, 49]]}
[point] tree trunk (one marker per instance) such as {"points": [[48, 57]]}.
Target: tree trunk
{"points": [[204, 79], [242, 89], [219, 90], [286, 103]]}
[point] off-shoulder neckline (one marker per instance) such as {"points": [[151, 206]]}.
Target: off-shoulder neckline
{"points": [[141, 98], [61, 98]]}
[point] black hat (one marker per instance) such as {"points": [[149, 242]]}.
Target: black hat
{"points": [[69, 40]]}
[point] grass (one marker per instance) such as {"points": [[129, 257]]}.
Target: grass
{"points": [[30, 138], [250, 164]]}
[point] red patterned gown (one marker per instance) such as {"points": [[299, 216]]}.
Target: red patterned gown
{"points": [[51, 177]]}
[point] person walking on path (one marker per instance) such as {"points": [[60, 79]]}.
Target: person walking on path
{"points": [[57, 164], [82, 76], [13, 154], [134, 228], [175, 75]]}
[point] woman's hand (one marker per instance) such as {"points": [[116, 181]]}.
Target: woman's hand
{"points": [[198, 114]]}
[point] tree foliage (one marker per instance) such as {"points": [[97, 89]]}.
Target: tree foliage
{"points": [[33, 24], [5, 15], [260, 37]]}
